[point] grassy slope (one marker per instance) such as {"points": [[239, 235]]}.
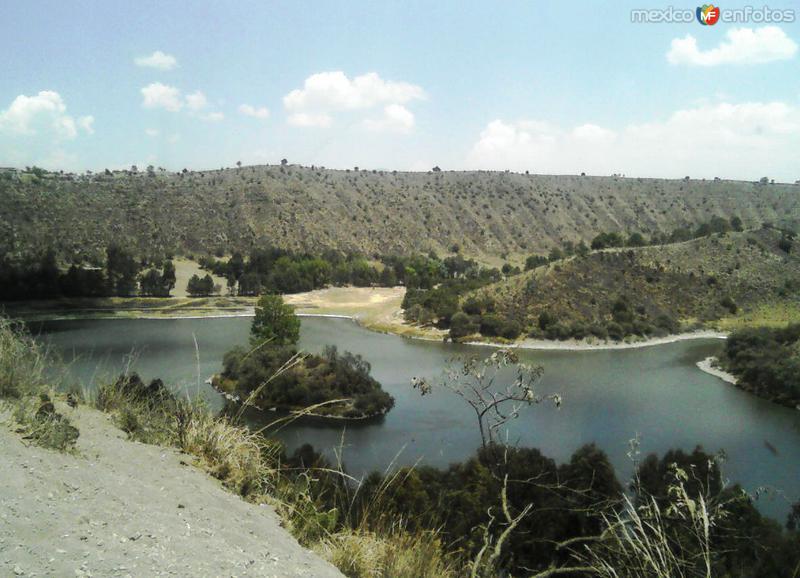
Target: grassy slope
{"points": [[672, 279], [487, 214]]}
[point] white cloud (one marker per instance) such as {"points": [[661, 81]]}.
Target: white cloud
{"points": [[196, 101], [157, 60], [86, 123], [157, 95], [261, 112], [396, 118], [44, 112], [745, 140], [741, 46], [305, 119], [327, 92], [151, 132]]}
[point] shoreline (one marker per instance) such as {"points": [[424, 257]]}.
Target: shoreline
{"points": [[707, 365], [527, 344], [572, 345]]}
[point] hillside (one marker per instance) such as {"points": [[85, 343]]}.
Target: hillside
{"points": [[121, 508], [651, 290], [486, 214]]}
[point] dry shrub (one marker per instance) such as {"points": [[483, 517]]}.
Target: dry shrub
{"points": [[361, 554]]}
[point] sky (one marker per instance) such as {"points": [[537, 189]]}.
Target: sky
{"points": [[551, 88]]}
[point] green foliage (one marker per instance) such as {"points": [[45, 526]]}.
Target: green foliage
{"points": [[534, 261], [121, 271], [493, 325], [462, 325], [646, 291], [41, 277], [766, 362], [197, 287], [274, 322], [636, 240], [607, 240], [157, 283], [305, 381], [439, 304]]}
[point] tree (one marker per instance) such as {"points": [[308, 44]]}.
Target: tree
{"points": [[275, 322], [149, 282], [167, 279], [534, 261], [636, 240], [198, 287], [462, 325], [121, 270], [736, 224]]}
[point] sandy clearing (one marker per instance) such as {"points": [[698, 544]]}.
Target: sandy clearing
{"points": [[376, 308], [122, 508], [184, 269]]}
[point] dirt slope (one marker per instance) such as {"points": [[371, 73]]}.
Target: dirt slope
{"points": [[121, 508]]}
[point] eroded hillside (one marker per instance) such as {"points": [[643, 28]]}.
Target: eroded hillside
{"points": [[486, 214]]}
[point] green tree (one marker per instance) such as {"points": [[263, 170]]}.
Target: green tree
{"points": [[167, 279], [198, 287], [636, 240], [275, 321]]}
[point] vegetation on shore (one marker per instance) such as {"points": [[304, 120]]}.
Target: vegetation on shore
{"points": [[766, 362], [639, 292], [30, 276], [273, 374]]}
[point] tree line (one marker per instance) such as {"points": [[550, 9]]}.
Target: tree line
{"points": [[121, 275]]}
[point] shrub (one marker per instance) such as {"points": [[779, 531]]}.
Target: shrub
{"points": [[462, 325], [546, 319], [728, 303]]}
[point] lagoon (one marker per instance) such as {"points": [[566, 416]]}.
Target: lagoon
{"points": [[609, 397]]}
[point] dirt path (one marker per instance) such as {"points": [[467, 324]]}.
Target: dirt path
{"points": [[122, 508]]}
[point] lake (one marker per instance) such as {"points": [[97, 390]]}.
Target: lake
{"points": [[609, 397]]}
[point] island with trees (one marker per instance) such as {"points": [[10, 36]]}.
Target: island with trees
{"points": [[273, 374]]}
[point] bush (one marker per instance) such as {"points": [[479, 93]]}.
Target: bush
{"points": [[462, 325], [546, 319], [728, 303]]}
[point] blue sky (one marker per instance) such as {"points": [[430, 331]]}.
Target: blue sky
{"points": [[520, 85]]}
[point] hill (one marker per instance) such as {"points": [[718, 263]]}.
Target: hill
{"points": [[118, 507], [485, 214], [649, 290]]}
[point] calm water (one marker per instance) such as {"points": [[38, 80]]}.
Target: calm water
{"points": [[609, 397]]}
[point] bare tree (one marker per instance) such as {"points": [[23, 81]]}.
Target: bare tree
{"points": [[495, 396]]}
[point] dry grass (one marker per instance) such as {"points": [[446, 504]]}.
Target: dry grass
{"points": [[362, 554], [249, 463], [25, 390]]}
